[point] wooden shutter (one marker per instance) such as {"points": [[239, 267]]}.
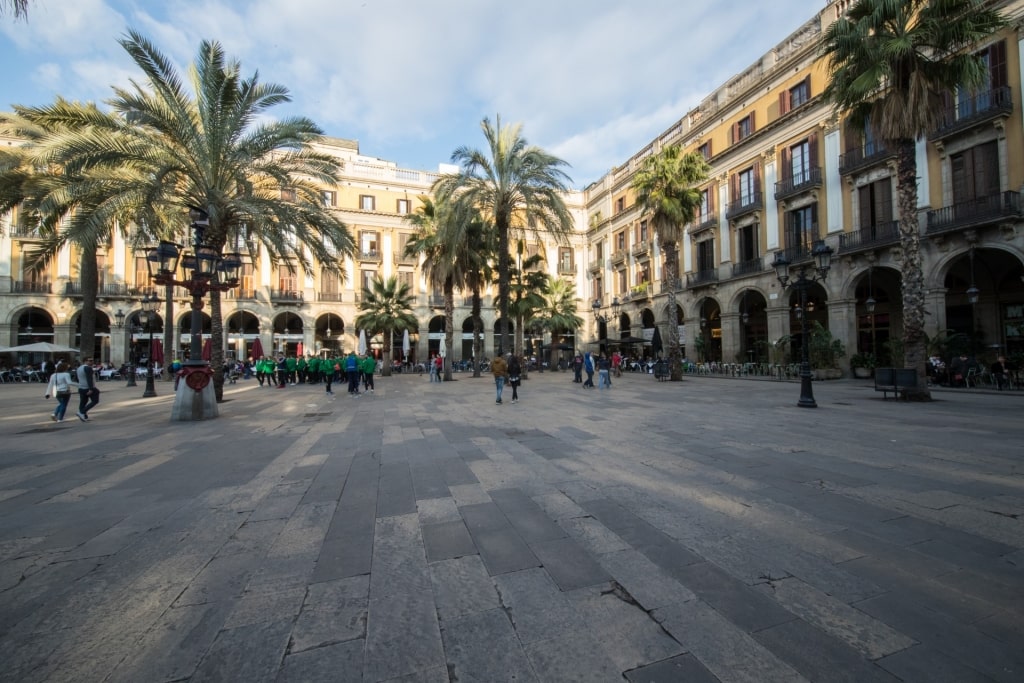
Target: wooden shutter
{"points": [[753, 126], [812, 151], [787, 163], [864, 206], [757, 178], [784, 100], [997, 65], [986, 169], [734, 187]]}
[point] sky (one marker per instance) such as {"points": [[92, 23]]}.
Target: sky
{"points": [[590, 81]]}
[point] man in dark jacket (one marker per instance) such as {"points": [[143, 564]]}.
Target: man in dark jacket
{"points": [[88, 393]]}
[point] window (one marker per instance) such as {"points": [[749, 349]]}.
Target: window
{"points": [[369, 242], [101, 270], [620, 205], [245, 280], [366, 278], [330, 284], [620, 241], [565, 260], [287, 279], [405, 277], [403, 242], [795, 96], [742, 129], [599, 251], [403, 206], [367, 202], [875, 203], [330, 198], [705, 255], [975, 172], [802, 228], [799, 159], [705, 211], [643, 276], [642, 233], [746, 243], [623, 283], [141, 273], [598, 292], [747, 186], [705, 150]]}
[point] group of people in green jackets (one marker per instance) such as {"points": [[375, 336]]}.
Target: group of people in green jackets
{"points": [[292, 370]]}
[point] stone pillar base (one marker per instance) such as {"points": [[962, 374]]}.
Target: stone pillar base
{"points": [[191, 405]]}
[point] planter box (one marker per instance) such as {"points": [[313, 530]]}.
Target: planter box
{"points": [[862, 373]]}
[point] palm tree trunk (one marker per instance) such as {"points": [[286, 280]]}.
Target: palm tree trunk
{"points": [[675, 360], [914, 338], [89, 273], [449, 324], [217, 345], [476, 332], [503, 281]]}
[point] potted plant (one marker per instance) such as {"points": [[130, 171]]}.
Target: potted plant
{"points": [[825, 352], [862, 364]]}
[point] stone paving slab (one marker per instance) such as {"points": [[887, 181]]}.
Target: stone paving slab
{"points": [[707, 530]]}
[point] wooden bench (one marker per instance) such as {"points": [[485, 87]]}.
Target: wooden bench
{"points": [[895, 380]]}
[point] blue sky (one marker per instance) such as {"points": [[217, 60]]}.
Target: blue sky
{"points": [[592, 81]]}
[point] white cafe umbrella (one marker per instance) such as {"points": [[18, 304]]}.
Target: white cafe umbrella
{"points": [[405, 344], [43, 347], [362, 342]]}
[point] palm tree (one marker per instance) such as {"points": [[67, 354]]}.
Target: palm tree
{"points": [[666, 189], [258, 179], [386, 308], [891, 65], [515, 186], [17, 7], [559, 310], [438, 262], [527, 285]]}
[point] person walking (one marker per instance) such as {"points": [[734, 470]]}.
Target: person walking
{"points": [[88, 392], [604, 369], [282, 372], [60, 388], [588, 367], [515, 370], [499, 368], [327, 366], [369, 366], [352, 373], [577, 368]]}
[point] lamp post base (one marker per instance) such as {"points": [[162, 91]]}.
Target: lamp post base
{"points": [[806, 392], [150, 391], [194, 400]]}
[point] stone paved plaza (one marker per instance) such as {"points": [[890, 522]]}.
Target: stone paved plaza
{"points": [[707, 530]]}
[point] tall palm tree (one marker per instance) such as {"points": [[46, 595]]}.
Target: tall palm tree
{"points": [[438, 261], [212, 149], [559, 310], [514, 185], [666, 189], [891, 65], [526, 293], [386, 308]]}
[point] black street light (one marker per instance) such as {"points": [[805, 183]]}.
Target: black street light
{"points": [[204, 270], [822, 262], [148, 317], [119, 320]]}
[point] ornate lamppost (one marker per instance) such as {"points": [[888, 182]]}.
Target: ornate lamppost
{"points": [[822, 255], [601, 319], [203, 270], [148, 318]]}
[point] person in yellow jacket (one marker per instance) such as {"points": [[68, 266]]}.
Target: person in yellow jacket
{"points": [[499, 368]]}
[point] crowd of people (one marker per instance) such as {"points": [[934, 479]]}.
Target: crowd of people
{"points": [[965, 371]]}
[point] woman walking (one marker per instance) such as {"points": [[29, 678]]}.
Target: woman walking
{"points": [[514, 371], [60, 387]]}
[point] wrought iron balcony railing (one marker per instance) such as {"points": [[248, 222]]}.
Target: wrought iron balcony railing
{"points": [[744, 205], [874, 152], [702, 277], [801, 182], [974, 213], [970, 111], [26, 287], [870, 237]]}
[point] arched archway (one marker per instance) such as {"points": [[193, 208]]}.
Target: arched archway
{"points": [[288, 327], [879, 306], [242, 329], [753, 335], [328, 329], [497, 331], [816, 312], [647, 325], [101, 348], [708, 343], [435, 335], [985, 302], [185, 332], [467, 337]]}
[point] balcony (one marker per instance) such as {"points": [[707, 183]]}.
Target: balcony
{"points": [[286, 296], [336, 297], [744, 205], [974, 213], [403, 260], [26, 287], [239, 293], [371, 256], [703, 222], [673, 285], [566, 269], [749, 267], [871, 154], [702, 277], [870, 237], [115, 289], [639, 293], [972, 111], [801, 182], [435, 301], [618, 256], [25, 232], [641, 250], [800, 253], [595, 265]]}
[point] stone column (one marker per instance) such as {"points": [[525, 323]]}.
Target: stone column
{"points": [[731, 337]]}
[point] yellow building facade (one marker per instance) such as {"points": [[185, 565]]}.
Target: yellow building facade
{"points": [[785, 172]]}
